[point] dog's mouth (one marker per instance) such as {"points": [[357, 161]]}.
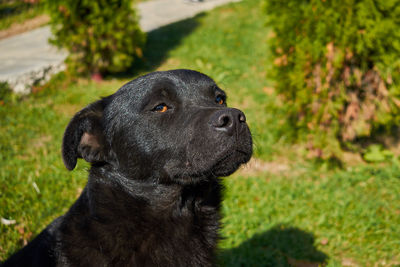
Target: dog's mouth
{"points": [[205, 160]]}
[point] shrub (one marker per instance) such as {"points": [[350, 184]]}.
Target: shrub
{"points": [[337, 64], [5, 91], [101, 36]]}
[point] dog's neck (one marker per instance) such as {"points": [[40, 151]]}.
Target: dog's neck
{"points": [[183, 219], [153, 197]]}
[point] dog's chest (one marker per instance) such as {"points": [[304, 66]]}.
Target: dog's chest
{"points": [[139, 233]]}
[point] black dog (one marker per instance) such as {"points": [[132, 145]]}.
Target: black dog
{"points": [[156, 147]]}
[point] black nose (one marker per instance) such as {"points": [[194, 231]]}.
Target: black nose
{"points": [[227, 120]]}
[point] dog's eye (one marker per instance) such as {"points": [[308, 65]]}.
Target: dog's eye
{"points": [[220, 100], [160, 108]]}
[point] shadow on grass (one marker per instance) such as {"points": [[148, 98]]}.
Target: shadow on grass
{"points": [[159, 42], [280, 246]]}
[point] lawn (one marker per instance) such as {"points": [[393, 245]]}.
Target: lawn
{"points": [[279, 210], [16, 12]]}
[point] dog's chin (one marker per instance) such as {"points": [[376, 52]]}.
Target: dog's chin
{"points": [[230, 163], [224, 166]]}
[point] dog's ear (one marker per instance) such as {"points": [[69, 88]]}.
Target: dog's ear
{"points": [[84, 136]]}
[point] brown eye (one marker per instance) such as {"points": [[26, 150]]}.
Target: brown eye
{"points": [[161, 108], [220, 100]]}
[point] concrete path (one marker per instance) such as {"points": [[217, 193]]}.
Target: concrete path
{"points": [[27, 58]]}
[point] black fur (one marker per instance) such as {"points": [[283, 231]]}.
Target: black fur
{"points": [[153, 194]]}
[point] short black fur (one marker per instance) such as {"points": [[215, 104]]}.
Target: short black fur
{"points": [[157, 147]]}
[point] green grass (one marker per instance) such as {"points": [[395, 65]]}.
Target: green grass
{"points": [[17, 12], [353, 214], [285, 211]]}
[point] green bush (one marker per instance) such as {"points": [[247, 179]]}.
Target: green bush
{"points": [[101, 36], [5, 92], [337, 64]]}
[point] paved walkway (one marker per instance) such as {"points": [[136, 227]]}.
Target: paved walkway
{"points": [[27, 58]]}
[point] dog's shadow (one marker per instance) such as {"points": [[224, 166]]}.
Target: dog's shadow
{"points": [[280, 246]]}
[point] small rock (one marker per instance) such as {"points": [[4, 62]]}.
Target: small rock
{"points": [[7, 222]]}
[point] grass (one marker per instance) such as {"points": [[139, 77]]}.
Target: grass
{"points": [[278, 211], [342, 216], [12, 12], [17, 13]]}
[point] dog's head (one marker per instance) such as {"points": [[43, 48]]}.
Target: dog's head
{"points": [[171, 126]]}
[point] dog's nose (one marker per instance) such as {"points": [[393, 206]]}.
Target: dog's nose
{"points": [[227, 120]]}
